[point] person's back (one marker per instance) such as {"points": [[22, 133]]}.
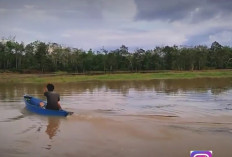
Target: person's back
{"points": [[53, 98]]}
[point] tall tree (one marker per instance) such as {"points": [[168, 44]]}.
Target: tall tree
{"points": [[41, 55]]}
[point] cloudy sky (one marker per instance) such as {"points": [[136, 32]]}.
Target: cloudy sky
{"points": [[110, 23]]}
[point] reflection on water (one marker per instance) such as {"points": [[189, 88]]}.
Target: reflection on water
{"points": [[10, 92], [121, 118], [201, 96], [53, 126]]}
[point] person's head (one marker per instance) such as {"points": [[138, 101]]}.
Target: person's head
{"points": [[50, 87]]}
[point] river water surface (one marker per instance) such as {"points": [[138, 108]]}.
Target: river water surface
{"points": [[166, 118]]}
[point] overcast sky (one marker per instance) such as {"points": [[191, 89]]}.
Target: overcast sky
{"points": [[110, 23]]}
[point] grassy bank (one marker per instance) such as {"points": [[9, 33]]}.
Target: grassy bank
{"points": [[57, 78]]}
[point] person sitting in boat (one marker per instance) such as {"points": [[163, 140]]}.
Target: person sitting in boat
{"points": [[53, 98]]}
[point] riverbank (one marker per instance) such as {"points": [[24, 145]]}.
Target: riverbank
{"points": [[66, 77]]}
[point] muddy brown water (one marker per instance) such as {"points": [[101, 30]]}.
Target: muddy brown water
{"points": [[166, 118]]}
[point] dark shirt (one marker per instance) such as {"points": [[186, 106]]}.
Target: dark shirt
{"points": [[52, 100]]}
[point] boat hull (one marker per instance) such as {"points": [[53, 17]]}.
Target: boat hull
{"points": [[32, 104]]}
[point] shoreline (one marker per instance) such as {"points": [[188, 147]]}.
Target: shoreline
{"points": [[75, 77]]}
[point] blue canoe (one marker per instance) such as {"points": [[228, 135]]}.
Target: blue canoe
{"points": [[32, 104]]}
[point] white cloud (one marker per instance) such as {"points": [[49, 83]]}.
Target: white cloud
{"points": [[224, 37], [29, 6], [65, 35], [34, 35], [110, 23], [205, 28], [119, 10], [110, 38], [2, 10]]}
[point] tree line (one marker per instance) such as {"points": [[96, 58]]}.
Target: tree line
{"points": [[51, 57]]}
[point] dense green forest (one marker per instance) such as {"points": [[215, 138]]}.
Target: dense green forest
{"points": [[50, 57]]}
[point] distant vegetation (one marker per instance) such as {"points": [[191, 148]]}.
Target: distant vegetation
{"points": [[52, 57], [66, 78]]}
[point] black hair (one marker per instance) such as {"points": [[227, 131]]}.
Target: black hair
{"points": [[50, 87]]}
